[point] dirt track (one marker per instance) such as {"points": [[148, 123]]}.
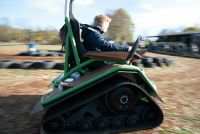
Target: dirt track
{"points": [[179, 87]]}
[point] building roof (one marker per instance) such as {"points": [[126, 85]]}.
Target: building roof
{"points": [[177, 34]]}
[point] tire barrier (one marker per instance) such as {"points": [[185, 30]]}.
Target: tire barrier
{"points": [[151, 62], [16, 65], [148, 62], [43, 53], [59, 66], [42, 65], [51, 55], [31, 65], [150, 65], [175, 53], [26, 64], [39, 55], [57, 51], [5, 64]]}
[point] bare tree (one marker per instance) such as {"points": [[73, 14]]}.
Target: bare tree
{"points": [[193, 28], [121, 27]]}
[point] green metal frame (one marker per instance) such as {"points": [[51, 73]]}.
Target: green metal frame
{"points": [[70, 40], [126, 68]]}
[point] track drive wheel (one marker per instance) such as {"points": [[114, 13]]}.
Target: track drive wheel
{"points": [[121, 99]]}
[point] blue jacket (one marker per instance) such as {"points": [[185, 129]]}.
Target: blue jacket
{"points": [[94, 40]]}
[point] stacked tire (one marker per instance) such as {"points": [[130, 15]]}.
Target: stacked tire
{"points": [[5, 64], [148, 62], [41, 54], [161, 62], [42, 65], [31, 65], [151, 62], [145, 62], [138, 63]]}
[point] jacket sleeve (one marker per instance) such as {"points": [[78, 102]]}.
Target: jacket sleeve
{"points": [[97, 39]]}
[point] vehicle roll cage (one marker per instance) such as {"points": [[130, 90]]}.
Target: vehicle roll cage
{"points": [[75, 50], [73, 44]]}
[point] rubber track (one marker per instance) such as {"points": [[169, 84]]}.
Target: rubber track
{"points": [[61, 110]]}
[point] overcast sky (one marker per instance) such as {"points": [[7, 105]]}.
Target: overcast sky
{"points": [[149, 16]]}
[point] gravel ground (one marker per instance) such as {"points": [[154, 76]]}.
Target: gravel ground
{"points": [[178, 85]]}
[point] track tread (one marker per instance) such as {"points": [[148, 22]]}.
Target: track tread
{"points": [[58, 111]]}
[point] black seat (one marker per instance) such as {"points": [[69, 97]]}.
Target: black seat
{"points": [[77, 35]]}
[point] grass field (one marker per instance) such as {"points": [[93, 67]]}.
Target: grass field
{"points": [[178, 86]]}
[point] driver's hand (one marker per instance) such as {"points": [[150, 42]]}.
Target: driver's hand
{"points": [[129, 48]]}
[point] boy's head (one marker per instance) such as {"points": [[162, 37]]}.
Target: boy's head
{"points": [[102, 21]]}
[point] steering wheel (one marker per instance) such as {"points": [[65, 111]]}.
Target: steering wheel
{"points": [[135, 45]]}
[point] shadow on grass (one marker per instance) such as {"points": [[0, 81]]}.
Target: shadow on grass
{"points": [[15, 115]]}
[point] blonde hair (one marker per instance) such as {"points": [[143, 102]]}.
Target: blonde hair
{"points": [[100, 19]]}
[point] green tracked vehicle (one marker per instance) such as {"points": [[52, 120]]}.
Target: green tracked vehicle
{"points": [[115, 98]]}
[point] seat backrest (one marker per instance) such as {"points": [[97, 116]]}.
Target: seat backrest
{"points": [[77, 34]]}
